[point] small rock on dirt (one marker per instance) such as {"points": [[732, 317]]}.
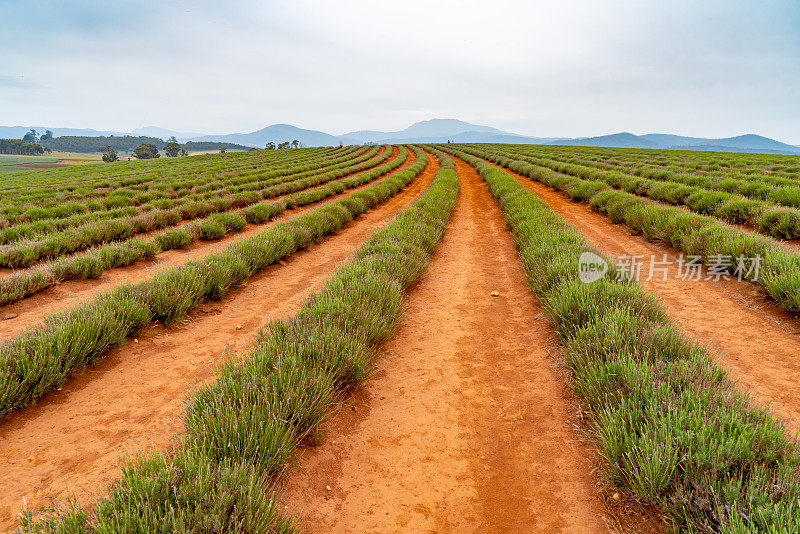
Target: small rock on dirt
{"points": [[10, 316], [328, 488], [495, 293]]}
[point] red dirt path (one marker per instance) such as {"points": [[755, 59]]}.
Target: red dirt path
{"points": [[35, 165], [71, 440], [32, 310], [465, 425], [756, 341]]}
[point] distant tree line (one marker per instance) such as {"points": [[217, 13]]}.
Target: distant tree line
{"points": [[128, 143], [145, 151], [19, 147], [172, 149], [89, 144]]}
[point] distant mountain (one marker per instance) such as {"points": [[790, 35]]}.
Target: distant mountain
{"points": [[437, 131], [672, 140], [751, 141], [16, 132], [745, 142], [502, 137], [279, 133], [621, 140], [741, 143], [164, 133], [432, 129], [471, 137]]}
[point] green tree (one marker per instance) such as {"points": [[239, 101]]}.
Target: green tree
{"points": [[172, 149], [223, 149], [295, 144], [283, 145], [31, 136], [183, 152], [48, 134], [146, 151], [109, 154], [271, 145], [19, 147]]}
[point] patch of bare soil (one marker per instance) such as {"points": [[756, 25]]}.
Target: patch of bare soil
{"points": [[466, 425], [132, 401], [755, 340], [17, 317], [36, 165]]}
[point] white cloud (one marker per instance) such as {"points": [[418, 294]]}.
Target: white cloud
{"points": [[542, 68]]}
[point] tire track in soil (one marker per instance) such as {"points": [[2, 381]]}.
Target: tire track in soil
{"points": [[464, 426], [32, 310], [754, 340], [131, 402]]}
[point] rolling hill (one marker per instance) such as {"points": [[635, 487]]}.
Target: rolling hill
{"points": [[438, 131], [740, 143], [278, 133]]}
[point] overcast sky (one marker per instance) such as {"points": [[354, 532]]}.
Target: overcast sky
{"points": [[575, 68]]}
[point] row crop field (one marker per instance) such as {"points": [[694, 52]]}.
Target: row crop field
{"points": [[455, 337]]}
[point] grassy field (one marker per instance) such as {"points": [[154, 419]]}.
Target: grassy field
{"points": [[691, 421], [9, 163]]}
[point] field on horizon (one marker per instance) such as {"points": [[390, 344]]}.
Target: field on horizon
{"points": [[427, 337], [11, 163]]}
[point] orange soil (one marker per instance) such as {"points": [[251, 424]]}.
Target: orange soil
{"points": [[25, 313], [465, 426], [755, 341], [71, 440], [40, 165]]}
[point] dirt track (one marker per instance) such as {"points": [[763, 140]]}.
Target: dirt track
{"points": [[41, 165], [465, 425], [70, 441], [30, 311], [756, 341]]}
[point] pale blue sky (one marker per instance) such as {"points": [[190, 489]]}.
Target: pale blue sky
{"points": [[579, 68]]}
